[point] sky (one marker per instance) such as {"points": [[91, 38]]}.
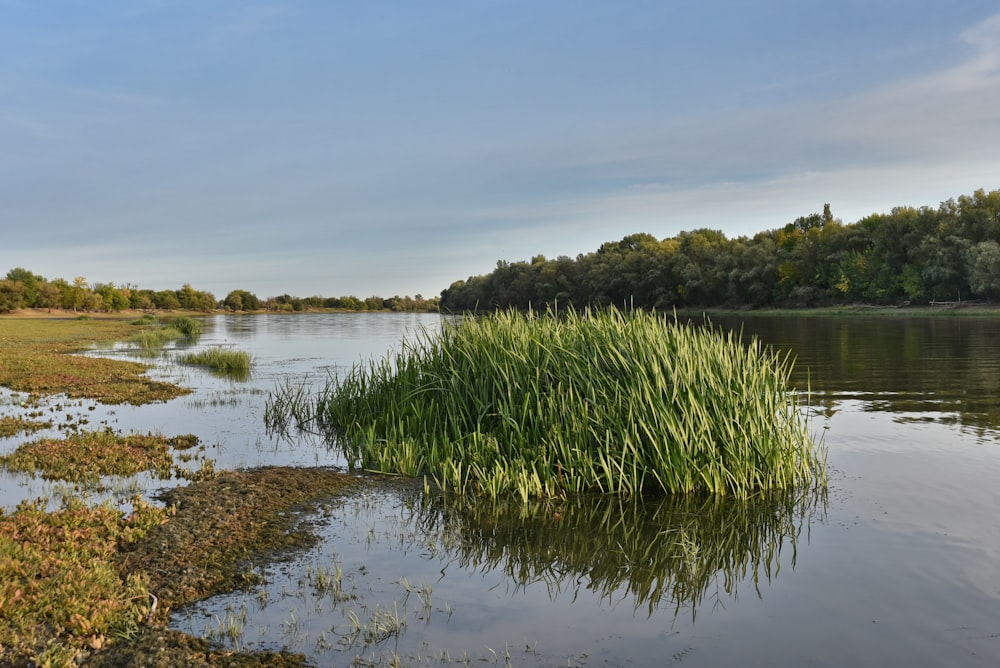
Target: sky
{"points": [[392, 147]]}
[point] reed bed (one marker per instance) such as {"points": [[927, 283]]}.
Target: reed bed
{"points": [[232, 363], [603, 401], [152, 340]]}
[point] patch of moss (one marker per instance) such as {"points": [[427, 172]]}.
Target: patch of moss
{"points": [[61, 593], [77, 586]]}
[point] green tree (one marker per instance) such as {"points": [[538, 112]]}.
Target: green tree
{"points": [[11, 295], [113, 299], [241, 300], [29, 284], [984, 269]]}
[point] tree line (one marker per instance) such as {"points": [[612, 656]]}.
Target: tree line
{"points": [[909, 255], [22, 289]]}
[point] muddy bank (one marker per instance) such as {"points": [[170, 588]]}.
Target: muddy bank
{"points": [[221, 532]]}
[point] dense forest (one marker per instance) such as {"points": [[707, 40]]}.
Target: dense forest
{"points": [[909, 255], [23, 289]]}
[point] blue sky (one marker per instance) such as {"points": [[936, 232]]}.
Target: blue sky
{"points": [[392, 147]]}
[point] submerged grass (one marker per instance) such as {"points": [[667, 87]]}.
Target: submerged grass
{"points": [[538, 405]]}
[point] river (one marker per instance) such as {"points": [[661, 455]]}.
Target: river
{"points": [[898, 563]]}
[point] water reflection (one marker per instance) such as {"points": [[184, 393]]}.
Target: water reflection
{"points": [[667, 552], [454, 570], [943, 369]]}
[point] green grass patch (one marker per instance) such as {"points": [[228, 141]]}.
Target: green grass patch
{"points": [[153, 340], [188, 327], [536, 405], [232, 363], [157, 333]]}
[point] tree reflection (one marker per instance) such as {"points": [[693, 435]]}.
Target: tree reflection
{"points": [[674, 551], [941, 369]]}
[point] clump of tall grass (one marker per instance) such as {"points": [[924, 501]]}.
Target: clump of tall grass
{"points": [[189, 327], [232, 363], [538, 405], [153, 340]]}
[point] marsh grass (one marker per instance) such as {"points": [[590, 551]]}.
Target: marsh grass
{"points": [[13, 425], [188, 327], [153, 340], [86, 457], [35, 357], [159, 332], [61, 593], [539, 405], [235, 364]]}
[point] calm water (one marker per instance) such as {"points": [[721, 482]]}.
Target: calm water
{"points": [[898, 564]]}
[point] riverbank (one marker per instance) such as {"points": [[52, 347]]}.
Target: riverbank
{"points": [[86, 584]]}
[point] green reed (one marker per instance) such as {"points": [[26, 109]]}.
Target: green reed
{"points": [[538, 405], [189, 327], [153, 340], [232, 363]]}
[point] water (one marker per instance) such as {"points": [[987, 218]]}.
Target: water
{"points": [[898, 564]]}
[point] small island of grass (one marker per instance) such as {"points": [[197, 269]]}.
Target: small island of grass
{"points": [[542, 405]]}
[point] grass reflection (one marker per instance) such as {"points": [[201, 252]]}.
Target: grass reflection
{"points": [[676, 551]]}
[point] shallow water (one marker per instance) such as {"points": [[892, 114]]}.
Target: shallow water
{"points": [[898, 564]]}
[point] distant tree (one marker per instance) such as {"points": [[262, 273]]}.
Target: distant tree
{"points": [[141, 299], [77, 296], [984, 269], [241, 300], [195, 300], [166, 300], [113, 299], [47, 296], [11, 295], [29, 284]]}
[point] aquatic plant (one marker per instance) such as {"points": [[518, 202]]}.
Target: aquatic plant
{"points": [[12, 425], [61, 592], [233, 363], [153, 340], [603, 401], [87, 456], [189, 327]]}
